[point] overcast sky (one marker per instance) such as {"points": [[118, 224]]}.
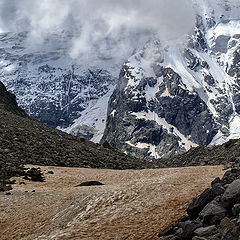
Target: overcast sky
{"points": [[94, 20]]}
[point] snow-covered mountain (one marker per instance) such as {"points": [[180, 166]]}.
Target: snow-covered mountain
{"points": [[169, 97], [173, 96], [48, 84], [70, 94]]}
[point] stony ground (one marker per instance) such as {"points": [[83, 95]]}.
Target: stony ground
{"points": [[133, 204]]}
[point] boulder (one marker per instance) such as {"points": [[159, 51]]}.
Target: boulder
{"points": [[199, 238], [35, 175], [4, 187], [198, 203], [218, 189], [213, 213], [205, 231], [225, 226], [232, 193], [170, 237], [188, 230], [89, 183], [229, 230], [236, 210]]}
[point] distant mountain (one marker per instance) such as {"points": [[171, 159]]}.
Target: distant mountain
{"points": [[48, 85], [171, 97], [65, 93]]}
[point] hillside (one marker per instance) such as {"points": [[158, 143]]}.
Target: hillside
{"points": [[26, 141]]}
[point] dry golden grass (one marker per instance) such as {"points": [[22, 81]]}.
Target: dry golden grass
{"points": [[133, 204]]}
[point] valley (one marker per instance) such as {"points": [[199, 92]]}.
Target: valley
{"points": [[132, 204]]}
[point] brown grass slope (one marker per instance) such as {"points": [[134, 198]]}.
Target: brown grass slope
{"points": [[132, 204]]}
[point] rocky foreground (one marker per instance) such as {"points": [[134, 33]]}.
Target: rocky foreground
{"points": [[132, 204], [214, 214]]}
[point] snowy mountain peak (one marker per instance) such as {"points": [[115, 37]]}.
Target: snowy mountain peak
{"points": [[172, 97]]}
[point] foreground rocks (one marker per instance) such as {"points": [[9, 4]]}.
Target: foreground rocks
{"points": [[213, 215]]}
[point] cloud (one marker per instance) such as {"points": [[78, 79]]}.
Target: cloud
{"points": [[98, 25]]}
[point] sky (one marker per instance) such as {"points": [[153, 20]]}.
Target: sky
{"points": [[94, 21]]}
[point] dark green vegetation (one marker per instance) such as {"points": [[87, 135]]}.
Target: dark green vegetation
{"points": [[26, 141]]}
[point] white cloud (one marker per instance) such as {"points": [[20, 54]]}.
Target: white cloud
{"points": [[94, 21]]}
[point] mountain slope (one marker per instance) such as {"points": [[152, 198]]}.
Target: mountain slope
{"points": [[171, 97], [8, 102], [26, 141], [50, 86]]}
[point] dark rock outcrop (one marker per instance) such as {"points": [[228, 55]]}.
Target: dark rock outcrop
{"points": [[170, 98], [90, 183], [8, 102], [34, 174]]}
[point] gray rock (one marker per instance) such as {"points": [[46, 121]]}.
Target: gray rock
{"points": [[216, 180], [170, 237], [232, 193], [236, 209], [218, 189], [226, 226], [200, 202], [204, 231], [199, 238], [211, 211]]}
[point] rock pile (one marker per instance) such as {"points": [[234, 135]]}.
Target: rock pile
{"points": [[34, 174], [224, 154], [213, 215]]}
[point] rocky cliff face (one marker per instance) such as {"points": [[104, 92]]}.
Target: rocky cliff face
{"points": [[62, 92], [171, 97]]}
